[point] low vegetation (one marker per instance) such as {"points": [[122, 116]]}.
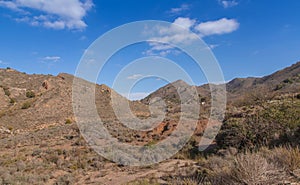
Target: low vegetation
{"points": [[272, 124], [26, 105], [30, 94]]}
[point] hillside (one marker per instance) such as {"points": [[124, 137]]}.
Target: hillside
{"points": [[284, 81], [33, 102], [42, 144]]}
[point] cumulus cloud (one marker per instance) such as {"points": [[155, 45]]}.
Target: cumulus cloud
{"points": [[187, 23], [57, 14], [228, 4], [218, 27], [172, 35]]}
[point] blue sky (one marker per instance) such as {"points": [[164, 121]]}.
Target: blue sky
{"points": [[248, 37]]}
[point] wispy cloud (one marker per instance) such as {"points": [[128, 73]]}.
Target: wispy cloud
{"points": [[172, 35], [11, 5], [51, 59], [56, 14], [228, 4], [213, 46], [178, 10], [82, 38], [134, 77]]}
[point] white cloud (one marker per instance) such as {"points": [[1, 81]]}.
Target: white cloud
{"points": [[11, 5], [168, 36], [57, 14], [187, 23], [218, 27], [51, 58], [182, 8], [55, 25], [228, 4], [136, 95], [171, 35], [134, 77]]}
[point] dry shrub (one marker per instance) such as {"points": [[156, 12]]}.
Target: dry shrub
{"points": [[143, 182], [248, 168], [188, 181], [253, 169], [286, 157]]}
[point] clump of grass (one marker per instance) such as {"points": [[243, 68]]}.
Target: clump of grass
{"points": [[287, 158], [253, 168], [68, 121], [26, 105], [193, 180], [143, 182], [30, 94]]}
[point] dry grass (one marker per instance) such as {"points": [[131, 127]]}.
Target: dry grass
{"points": [[287, 158], [252, 168], [194, 180], [143, 182]]}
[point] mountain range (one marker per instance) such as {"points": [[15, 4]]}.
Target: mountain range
{"points": [[30, 102]]}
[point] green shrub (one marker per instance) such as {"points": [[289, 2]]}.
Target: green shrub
{"points": [[68, 121], [26, 105], [30, 94], [272, 126], [288, 81]]}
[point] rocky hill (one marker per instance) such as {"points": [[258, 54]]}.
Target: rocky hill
{"points": [[31, 102], [41, 144], [284, 81]]}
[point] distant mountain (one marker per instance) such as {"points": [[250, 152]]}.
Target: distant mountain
{"points": [[284, 81]]}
